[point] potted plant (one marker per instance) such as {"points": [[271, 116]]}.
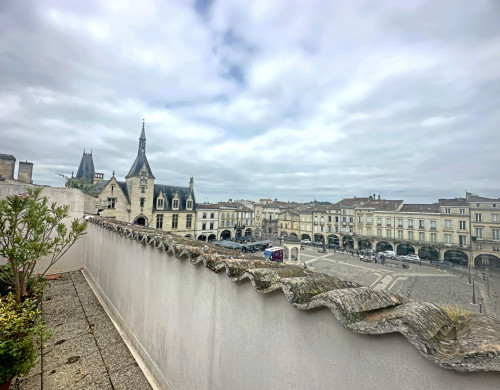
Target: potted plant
{"points": [[32, 228], [21, 325]]}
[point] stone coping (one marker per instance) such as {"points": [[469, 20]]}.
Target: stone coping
{"points": [[466, 344]]}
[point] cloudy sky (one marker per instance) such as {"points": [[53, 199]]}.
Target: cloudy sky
{"points": [[295, 100]]}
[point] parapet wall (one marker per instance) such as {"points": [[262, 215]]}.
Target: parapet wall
{"points": [[72, 197], [203, 320]]}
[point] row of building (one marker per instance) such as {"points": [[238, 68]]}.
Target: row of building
{"points": [[461, 230]]}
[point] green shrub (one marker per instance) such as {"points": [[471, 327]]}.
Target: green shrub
{"points": [[21, 326]]}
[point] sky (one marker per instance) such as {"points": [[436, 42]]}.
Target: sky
{"points": [[294, 100]]}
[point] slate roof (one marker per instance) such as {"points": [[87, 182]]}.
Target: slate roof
{"points": [[207, 206], [169, 193], [353, 201], [476, 198], [420, 208], [382, 205], [453, 202], [86, 168], [466, 344]]}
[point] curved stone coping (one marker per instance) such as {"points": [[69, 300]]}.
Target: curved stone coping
{"points": [[472, 344]]}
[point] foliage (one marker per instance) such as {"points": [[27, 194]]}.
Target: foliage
{"points": [[455, 311], [31, 228], [20, 324], [83, 184]]}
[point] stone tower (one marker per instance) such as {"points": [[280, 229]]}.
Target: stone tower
{"points": [[140, 185]]}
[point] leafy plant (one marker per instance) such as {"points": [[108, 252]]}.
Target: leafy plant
{"points": [[456, 312], [20, 325], [31, 228]]}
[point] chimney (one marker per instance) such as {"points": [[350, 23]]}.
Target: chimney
{"points": [[191, 184], [25, 172], [378, 196]]}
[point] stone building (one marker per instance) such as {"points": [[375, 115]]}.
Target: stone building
{"points": [[207, 222], [139, 199]]}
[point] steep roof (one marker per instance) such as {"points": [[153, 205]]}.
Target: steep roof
{"points": [[98, 187], [169, 193], [86, 168], [453, 202], [141, 159]]}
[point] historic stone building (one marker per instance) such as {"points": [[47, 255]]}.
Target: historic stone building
{"points": [[139, 199], [7, 167]]}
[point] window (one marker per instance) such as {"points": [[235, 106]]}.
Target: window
{"points": [[189, 204], [494, 205], [389, 233], [400, 234], [410, 223], [462, 211], [159, 203], [189, 220], [410, 235], [379, 232], [337, 219], [496, 248], [143, 190], [141, 201], [111, 203], [368, 219], [175, 220], [421, 236], [400, 222], [343, 220], [462, 225], [447, 223], [351, 220], [462, 241], [478, 217], [212, 215], [447, 211], [495, 233], [204, 215], [176, 204], [388, 222], [433, 237], [112, 188], [433, 225], [421, 224], [144, 182], [330, 218], [479, 233], [448, 239], [203, 226], [494, 218], [159, 221], [379, 221], [143, 173]]}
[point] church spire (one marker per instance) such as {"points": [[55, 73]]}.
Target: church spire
{"points": [[142, 139], [141, 161]]}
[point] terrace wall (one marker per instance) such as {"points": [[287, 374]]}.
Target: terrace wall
{"points": [[197, 329]]}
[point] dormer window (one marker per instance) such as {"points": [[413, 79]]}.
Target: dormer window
{"points": [[159, 204], [189, 204], [175, 204], [144, 173]]}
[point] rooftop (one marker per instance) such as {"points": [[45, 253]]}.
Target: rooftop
{"points": [[85, 350]]}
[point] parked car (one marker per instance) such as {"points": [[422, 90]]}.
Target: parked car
{"points": [[305, 241], [412, 258], [367, 251], [318, 243], [389, 254]]}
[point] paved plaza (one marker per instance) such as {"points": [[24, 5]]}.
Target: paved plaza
{"points": [[425, 282]]}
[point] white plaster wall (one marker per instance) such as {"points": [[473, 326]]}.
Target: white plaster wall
{"points": [[73, 259], [196, 329]]}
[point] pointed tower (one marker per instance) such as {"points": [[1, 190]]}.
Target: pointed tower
{"points": [[86, 169], [140, 185]]}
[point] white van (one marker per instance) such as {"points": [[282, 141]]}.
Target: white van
{"points": [[389, 254]]}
